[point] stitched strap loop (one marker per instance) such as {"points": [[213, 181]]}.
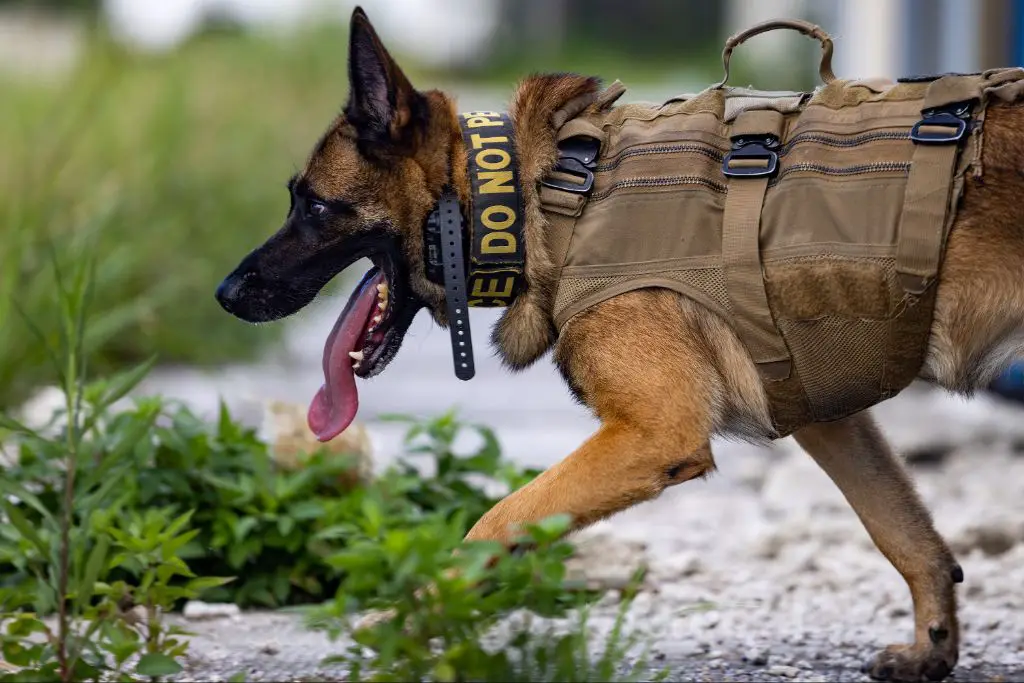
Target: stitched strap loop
{"points": [[804, 27]]}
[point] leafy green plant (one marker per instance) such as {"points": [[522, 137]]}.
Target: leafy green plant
{"points": [[164, 163], [445, 597], [445, 600], [274, 529], [64, 542], [113, 517]]}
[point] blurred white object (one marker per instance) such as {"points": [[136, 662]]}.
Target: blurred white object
{"points": [[154, 25], [418, 29], [37, 47], [39, 411]]}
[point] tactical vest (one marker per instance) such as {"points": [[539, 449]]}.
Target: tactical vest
{"points": [[813, 222]]}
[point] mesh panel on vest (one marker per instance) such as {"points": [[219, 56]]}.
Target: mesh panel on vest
{"points": [[830, 355]]}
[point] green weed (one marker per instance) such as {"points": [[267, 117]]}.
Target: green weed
{"points": [[64, 548]]}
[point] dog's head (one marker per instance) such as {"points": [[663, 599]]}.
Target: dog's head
{"points": [[365, 191]]}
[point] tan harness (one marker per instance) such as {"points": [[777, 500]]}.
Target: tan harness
{"points": [[814, 222]]}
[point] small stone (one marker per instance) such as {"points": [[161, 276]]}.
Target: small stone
{"points": [[602, 561], [196, 610], [993, 537], [782, 670], [610, 599], [284, 427], [756, 657], [270, 648]]}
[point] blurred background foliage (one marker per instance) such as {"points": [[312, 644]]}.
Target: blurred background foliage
{"points": [[170, 156], [172, 164]]}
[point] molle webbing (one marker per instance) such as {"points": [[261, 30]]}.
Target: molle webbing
{"points": [[749, 174], [826, 265]]}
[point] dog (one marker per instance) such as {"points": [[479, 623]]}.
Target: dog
{"points": [[661, 372]]}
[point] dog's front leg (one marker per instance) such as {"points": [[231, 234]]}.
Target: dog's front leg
{"points": [[619, 466], [648, 374], [856, 456]]}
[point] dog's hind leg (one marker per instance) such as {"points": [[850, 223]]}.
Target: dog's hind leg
{"points": [[654, 388], [856, 456]]}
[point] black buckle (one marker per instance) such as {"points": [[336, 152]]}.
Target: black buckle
{"points": [[944, 119], [752, 147], [572, 167], [954, 117], [577, 156], [434, 265]]}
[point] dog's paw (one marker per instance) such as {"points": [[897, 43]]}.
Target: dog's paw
{"points": [[910, 664]]}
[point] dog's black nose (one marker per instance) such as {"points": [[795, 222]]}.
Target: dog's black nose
{"points": [[227, 292]]}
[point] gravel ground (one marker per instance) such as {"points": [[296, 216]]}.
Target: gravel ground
{"points": [[789, 585], [763, 573]]}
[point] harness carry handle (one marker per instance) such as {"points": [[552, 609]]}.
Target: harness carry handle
{"points": [[808, 29]]}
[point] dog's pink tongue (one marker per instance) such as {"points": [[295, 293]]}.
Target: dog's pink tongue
{"points": [[335, 405]]}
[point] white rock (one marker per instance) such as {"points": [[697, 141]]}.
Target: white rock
{"points": [[993, 536], [196, 610], [41, 408], [604, 561], [781, 670]]}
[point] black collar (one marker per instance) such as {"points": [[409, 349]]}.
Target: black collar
{"points": [[492, 272]]}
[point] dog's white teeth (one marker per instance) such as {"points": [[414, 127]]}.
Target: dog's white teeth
{"points": [[377, 319], [356, 365], [382, 289], [356, 355]]}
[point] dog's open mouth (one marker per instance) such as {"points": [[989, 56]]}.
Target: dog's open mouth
{"points": [[365, 337]]}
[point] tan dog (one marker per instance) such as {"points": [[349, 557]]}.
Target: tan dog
{"points": [[662, 372]]}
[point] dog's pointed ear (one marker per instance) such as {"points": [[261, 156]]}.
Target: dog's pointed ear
{"points": [[383, 106]]}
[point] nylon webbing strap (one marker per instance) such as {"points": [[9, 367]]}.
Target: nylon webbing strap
{"points": [[452, 256], [561, 209], [937, 138], [749, 167], [744, 282], [922, 224]]}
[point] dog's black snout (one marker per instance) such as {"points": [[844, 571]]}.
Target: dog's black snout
{"points": [[227, 292]]}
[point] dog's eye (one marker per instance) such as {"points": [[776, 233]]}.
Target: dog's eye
{"points": [[317, 208]]}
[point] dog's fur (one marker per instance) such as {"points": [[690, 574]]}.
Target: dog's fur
{"points": [[379, 170]]}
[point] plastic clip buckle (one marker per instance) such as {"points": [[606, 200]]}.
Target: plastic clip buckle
{"points": [[750, 149], [577, 157]]}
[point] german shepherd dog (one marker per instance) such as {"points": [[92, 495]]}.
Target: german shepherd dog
{"points": [[662, 373]]}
